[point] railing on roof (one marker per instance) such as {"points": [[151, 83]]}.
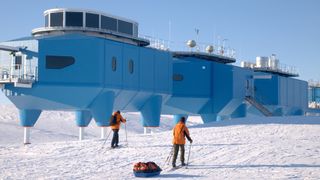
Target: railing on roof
{"points": [[18, 73], [313, 83], [167, 45], [280, 68]]}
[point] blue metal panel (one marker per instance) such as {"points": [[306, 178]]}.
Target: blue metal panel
{"points": [[196, 79], [241, 111], [113, 50], [242, 82], [222, 85], [102, 106], [186, 104], [163, 72], [266, 90], [151, 112], [76, 97], [123, 99], [28, 117], [315, 94], [303, 95], [283, 91], [87, 51], [83, 118], [290, 92], [147, 69], [131, 76], [207, 118]]}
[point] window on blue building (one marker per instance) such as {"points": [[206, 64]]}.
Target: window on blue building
{"points": [[114, 63], [17, 62], [125, 27], [108, 23], [59, 62], [56, 19], [92, 20], [74, 19], [130, 66]]}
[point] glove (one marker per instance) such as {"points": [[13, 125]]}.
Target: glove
{"points": [[191, 141]]}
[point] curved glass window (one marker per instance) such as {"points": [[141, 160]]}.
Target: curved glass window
{"points": [[108, 23], [46, 21], [74, 19], [92, 20], [56, 19], [114, 63], [125, 27], [59, 62], [177, 77], [130, 66]]}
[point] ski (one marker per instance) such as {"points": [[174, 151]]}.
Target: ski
{"points": [[175, 168]]}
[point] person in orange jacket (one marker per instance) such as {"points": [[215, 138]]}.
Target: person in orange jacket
{"points": [[180, 131], [115, 128]]}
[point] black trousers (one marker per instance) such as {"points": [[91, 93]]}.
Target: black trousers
{"points": [[115, 138], [175, 153]]}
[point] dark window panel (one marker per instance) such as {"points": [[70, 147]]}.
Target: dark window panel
{"points": [[125, 27], [108, 23], [56, 19], [74, 19], [130, 66], [114, 63], [92, 20], [46, 21], [59, 62], [177, 77], [17, 62]]}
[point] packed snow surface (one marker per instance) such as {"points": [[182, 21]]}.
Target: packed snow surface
{"points": [[247, 148]]}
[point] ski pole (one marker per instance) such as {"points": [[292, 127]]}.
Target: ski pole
{"points": [[105, 140], [169, 156], [188, 155]]}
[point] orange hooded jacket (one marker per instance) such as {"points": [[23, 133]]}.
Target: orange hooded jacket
{"points": [[119, 120], [179, 133]]}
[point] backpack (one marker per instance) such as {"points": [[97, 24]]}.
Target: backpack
{"points": [[113, 120]]}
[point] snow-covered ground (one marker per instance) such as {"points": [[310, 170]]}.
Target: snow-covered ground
{"points": [[250, 148]]}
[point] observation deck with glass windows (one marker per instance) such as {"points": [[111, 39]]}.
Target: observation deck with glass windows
{"points": [[62, 21]]}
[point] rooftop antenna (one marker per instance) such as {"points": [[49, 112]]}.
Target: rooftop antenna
{"points": [[197, 33], [223, 45], [169, 34], [218, 44]]}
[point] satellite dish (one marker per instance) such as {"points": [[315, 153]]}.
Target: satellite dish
{"points": [[209, 49], [191, 43]]}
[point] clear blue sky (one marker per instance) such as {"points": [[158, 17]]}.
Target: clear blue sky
{"points": [[288, 28]]}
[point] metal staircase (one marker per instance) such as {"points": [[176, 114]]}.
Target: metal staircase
{"points": [[258, 105]]}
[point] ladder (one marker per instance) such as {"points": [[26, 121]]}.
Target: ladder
{"points": [[258, 106]]}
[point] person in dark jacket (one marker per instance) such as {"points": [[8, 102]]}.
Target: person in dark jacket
{"points": [[115, 128], [180, 131]]}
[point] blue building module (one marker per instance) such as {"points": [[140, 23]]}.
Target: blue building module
{"points": [[94, 69]]}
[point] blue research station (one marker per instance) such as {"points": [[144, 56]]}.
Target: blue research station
{"points": [[93, 63]]}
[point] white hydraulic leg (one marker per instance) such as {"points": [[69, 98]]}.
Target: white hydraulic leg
{"points": [[103, 132], [81, 133], [26, 139]]}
